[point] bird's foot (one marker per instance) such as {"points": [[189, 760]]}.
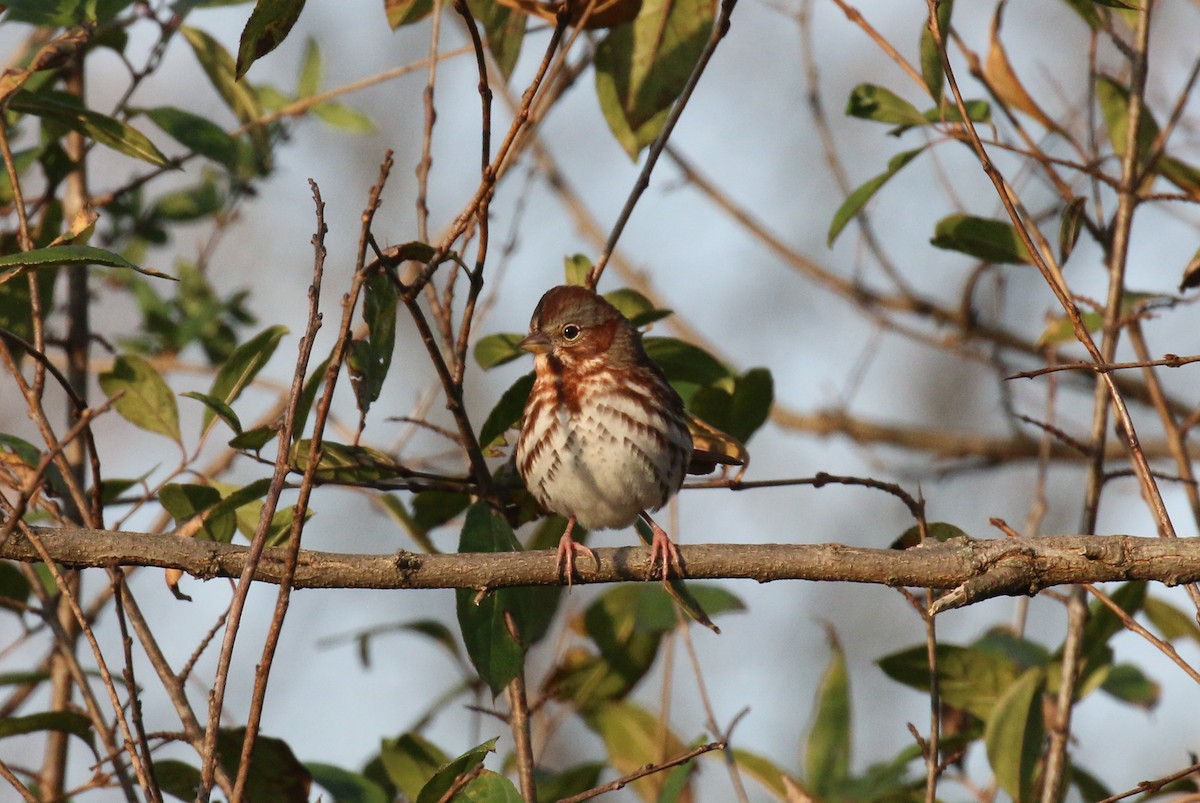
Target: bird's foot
{"points": [[663, 551], [568, 547]]}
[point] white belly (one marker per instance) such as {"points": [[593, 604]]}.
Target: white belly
{"points": [[602, 469]]}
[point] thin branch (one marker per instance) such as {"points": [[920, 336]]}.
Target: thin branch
{"points": [[649, 769]]}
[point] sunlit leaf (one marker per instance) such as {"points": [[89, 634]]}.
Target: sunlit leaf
{"points": [[577, 268], [108, 131], [342, 462], [444, 778], [147, 401], [633, 738], [505, 31], [641, 68], [498, 349], [1013, 734], [410, 761], [342, 118], [827, 752], [59, 255], [1003, 80], [406, 12]]}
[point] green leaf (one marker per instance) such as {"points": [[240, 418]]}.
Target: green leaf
{"points": [[311, 70], [410, 760], [347, 786], [641, 68], [240, 97], [1070, 226], [184, 501], [189, 204], [494, 652], [989, 240], [505, 30], [753, 395], [633, 738], [573, 780], [70, 722], [147, 402], [218, 408], [178, 779], [406, 12], [109, 131], [445, 777], [1114, 105], [937, 530], [968, 678], [872, 102], [275, 775], [856, 200], [648, 609], [254, 439], [1061, 330], [1013, 734], [1090, 787], [196, 133], [768, 773], [59, 255], [931, 57], [342, 118], [827, 753], [347, 463], [268, 25], [507, 412], [577, 268], [636, 307], [1172, 623], [1130, 685], [498, 349], [371, 357], [434, 508], [241, 368], [13, 584], [684, 363]]}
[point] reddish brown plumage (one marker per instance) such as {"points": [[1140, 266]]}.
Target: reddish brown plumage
{"points": [[604, 436]]}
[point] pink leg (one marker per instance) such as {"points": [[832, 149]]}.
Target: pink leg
{"points": [[567, 549], [663, 550]]}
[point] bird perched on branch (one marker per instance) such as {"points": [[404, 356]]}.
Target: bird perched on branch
{"points": [[604, 437]]}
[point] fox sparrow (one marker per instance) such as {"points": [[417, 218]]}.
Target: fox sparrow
{"points": [[604, 437]]}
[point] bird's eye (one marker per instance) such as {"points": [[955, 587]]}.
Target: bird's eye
{"points": [[570, 331]]}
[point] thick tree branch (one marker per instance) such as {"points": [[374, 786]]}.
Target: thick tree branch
{"points": [[974, 569]]}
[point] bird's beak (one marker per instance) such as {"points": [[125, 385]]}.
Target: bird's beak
{"points": [[535, 343]]}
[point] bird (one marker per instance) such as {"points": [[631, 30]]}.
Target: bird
{"points": [[604, 438]]}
